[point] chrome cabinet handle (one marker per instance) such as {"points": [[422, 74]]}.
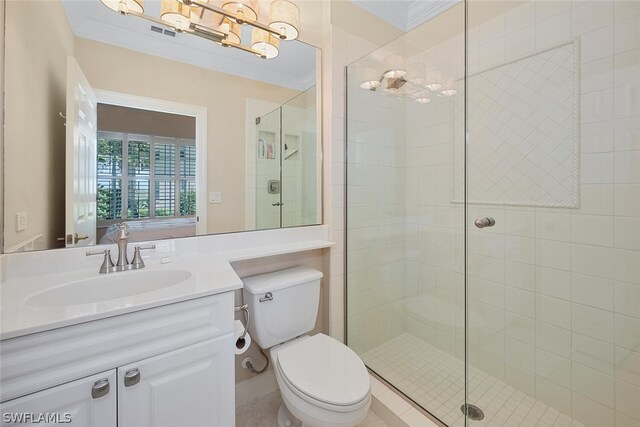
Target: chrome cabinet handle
{"points": [[100, 388], [131, 377], [485, 222], [267, 297]]}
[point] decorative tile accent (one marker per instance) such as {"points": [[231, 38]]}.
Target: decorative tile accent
{"points": [[523, 147], [435, 380]]}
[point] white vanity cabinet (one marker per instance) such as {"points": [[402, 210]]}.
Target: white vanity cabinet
{"points": [[87, 402], [185, 387], [171, 365]]}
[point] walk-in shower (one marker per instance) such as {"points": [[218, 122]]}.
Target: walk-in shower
{"points": [[493, 213]]}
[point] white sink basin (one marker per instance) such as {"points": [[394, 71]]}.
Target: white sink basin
{"points": [[107, 287]]}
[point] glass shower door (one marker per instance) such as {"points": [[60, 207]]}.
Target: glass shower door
{"points": [[299, 160], [553, 156], [405, 230]]}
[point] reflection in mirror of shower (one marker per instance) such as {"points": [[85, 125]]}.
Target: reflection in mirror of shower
{"points": [[267, 171]]}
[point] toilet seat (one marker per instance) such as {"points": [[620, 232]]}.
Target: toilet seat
{"points": [[324, 372]]}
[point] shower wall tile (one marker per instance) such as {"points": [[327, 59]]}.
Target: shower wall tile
{"points": [[627, 366], [592, 291], [627, 398], [627, 300], [627, 34], [593, 322], [627, 134], [593, 353], [591, 412]]}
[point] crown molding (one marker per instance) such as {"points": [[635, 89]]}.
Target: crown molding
{"points": [[390, 11], [420, 11], [405, 15]]}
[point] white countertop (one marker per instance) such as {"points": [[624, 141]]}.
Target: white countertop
{"points": [[211, 273]]}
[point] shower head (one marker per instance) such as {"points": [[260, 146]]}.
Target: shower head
{"points": [[394, 84]]}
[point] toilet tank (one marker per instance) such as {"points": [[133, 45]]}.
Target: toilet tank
{"points": [[282, 304]]}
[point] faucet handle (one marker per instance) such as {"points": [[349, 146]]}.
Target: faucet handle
{"points": [[107, 263], [138, 262]]}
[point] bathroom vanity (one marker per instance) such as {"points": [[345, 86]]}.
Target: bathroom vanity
{"points": [[170, 365], [152, 347]]}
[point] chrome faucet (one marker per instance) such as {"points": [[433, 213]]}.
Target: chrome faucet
{"points": [[123, 241], [123, 263]]}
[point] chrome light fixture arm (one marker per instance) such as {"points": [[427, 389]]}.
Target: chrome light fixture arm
{"points": [[236, 17]]}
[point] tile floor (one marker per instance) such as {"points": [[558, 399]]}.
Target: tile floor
{"points": [[435, 380], [262, 413]]}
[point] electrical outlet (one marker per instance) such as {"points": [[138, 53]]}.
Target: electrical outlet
{"points": [[21, 221], [215, 197]]}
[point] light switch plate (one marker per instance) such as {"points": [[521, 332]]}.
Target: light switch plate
{"points": [[215, 197], [21, 221]]}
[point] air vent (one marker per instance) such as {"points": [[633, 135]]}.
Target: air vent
{"points": [[163, 31]]}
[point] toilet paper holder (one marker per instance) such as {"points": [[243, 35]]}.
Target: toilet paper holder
{"points": [[245, 309]]}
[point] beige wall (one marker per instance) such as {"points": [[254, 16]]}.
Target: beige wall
{"points": [[120, 70], [2, 115], [35, 82]]}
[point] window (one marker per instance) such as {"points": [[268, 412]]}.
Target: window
{"points": [[142, 176]]}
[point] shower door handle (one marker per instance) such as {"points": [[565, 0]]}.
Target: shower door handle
{"points": [[485, 222]]}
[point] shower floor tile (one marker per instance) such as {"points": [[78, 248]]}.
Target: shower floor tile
{"points": [[435, 380]]}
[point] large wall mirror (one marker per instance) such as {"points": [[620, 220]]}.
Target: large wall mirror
{"points": [[113, 119]]}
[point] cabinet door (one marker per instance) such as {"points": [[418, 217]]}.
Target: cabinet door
{"points": [[190, 387], [88, 402]]}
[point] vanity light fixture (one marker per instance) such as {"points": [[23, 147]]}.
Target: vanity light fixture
{"points": [[265, 43], [223, 24], [284, 17], [232, 29], [125, 6]]}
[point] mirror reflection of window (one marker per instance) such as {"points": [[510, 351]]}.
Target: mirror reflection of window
{"points": [[173, 180], [145, 180]]}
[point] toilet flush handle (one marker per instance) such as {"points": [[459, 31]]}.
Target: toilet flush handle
{"points": [[267, 297]]}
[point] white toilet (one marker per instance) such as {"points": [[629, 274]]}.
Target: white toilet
{"points": [[323, 383]]}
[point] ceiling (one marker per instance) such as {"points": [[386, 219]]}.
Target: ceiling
{"points": [[294, 67], [405, 14]]}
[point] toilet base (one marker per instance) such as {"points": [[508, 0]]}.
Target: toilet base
{"points": [[286, 418]]}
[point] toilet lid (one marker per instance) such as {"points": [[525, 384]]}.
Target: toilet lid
{"points": [[326, 370]]}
